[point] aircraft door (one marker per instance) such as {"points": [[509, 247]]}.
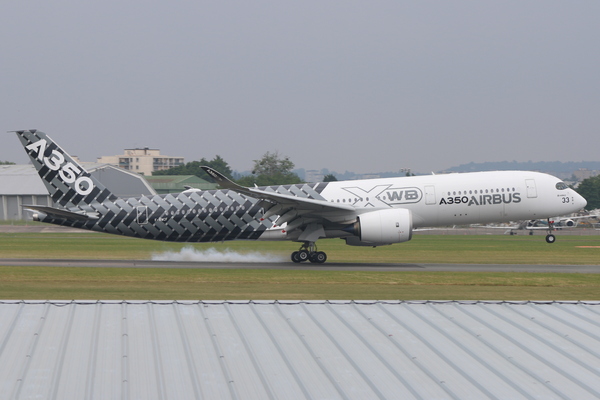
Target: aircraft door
{"points": [[531, 190], [142, 215], [430, 195]]}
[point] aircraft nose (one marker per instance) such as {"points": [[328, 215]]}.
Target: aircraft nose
{"points": [[580, 201]]}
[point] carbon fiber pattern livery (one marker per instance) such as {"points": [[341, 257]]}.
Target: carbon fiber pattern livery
{"points": [[371, 212], [190, 216], [43, 155]]}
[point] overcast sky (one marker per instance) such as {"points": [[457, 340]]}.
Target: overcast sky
{"points": [[364, 86]]}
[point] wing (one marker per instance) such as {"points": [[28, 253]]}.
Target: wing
{"points": [[295, 211]]}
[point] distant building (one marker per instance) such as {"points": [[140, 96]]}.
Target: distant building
{"points": [[370, 176], [584, 173], [164, 184], [143, 161], [313, 176], [21, 184]]}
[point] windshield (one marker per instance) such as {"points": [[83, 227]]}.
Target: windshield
{"points": [[561, 186]]}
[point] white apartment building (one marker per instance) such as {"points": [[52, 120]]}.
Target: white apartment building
{"points": [[143, 161]]}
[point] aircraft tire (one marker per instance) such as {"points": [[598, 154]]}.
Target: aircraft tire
{"points": [[295, 257], [303, 255], [320, 257], [550, 238]]}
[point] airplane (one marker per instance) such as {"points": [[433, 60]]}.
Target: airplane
{"points": [[538, 224], [563, 222], [372, 212]]}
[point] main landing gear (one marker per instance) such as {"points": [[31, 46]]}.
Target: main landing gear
{"points": [[550, 238], [308, 252]]}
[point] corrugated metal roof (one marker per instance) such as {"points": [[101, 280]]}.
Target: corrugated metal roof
{"points": [[287, 350]]}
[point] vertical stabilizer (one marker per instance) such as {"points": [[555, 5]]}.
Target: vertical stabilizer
{"points": [[67, 182]]}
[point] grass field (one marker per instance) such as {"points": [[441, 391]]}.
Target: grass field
{"points": [[473, 249], [115, 283]]}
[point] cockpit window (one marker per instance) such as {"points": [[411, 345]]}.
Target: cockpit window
{"points": [[561, 186]]}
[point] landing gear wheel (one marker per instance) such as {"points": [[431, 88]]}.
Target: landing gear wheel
{"points": [[550, 238], [303, 255], [308, 252], [318, 257], [295, 257]]}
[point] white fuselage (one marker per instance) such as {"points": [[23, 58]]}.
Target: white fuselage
{"points": [[457, 199]]}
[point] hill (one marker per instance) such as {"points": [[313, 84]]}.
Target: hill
{"points": [[552, 167]]}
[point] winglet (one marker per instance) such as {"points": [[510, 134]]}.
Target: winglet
{"points": [[223, 181]]}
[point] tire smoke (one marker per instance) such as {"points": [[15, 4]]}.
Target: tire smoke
{"points": [[189, 253]]}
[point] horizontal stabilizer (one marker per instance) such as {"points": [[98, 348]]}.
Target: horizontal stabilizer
{"points": [[61, 213]]}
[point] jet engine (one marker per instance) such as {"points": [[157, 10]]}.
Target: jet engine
{"points": [[382, 227]]}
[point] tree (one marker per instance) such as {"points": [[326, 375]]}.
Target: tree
{"points": [[6, 163], [329, 178], [590, 189], [193, 168], [271, 169]]}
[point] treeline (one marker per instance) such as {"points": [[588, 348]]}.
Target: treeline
{"points": [[590, 190], [551, 167], [270, 169]]}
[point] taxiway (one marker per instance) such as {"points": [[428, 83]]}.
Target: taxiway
{"points": [[89, 263]]}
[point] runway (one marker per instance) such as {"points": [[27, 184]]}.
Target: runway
{"points": [[88, 263]]}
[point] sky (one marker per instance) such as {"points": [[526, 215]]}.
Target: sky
{"points": [[362, 86]]}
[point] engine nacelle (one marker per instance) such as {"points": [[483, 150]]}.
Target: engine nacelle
{"points": [[382, 227]]}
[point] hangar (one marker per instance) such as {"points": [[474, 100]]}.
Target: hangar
{"points": [[20, 184], [164, 184], [299, 350]]}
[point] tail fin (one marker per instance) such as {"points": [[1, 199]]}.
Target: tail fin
{"points": [[67, 182]]}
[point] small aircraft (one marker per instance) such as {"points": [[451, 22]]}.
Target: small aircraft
{"points": [[563, 222], [548, 224], [373, 212]]}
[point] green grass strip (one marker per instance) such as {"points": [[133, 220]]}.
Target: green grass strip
{"points": [[141, 284], [130, 283]]}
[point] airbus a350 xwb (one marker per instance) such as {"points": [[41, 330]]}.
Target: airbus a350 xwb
{"points": [[373, 212]]}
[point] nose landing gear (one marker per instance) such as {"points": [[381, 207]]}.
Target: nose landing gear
{"points": [[308, 252], [550, 238]]}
